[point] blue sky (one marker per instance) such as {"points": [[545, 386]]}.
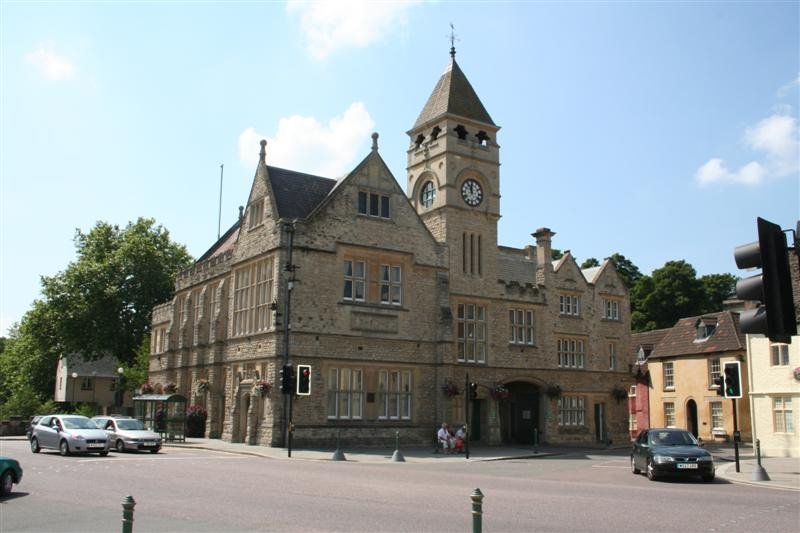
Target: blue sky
{"points": [[659, 130]]}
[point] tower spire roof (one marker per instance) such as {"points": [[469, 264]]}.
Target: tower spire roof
{"points": [[454, 95]]}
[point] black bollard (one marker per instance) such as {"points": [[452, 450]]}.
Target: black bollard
{"points": [[759, 474], [477, 510], [127, 514]]}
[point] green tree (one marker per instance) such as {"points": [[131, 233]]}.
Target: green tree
{"points": [[628, 272], [675, 293], [101, 303], [591, 262], [556, 254], [717, 288]]}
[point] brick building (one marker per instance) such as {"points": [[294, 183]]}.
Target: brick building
{"points": [[392, 299]]}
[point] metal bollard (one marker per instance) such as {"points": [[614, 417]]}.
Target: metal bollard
{"points": [[127, 514], [759, 474], [338, 455], [535, 440], [397, 457], [477, 510]]}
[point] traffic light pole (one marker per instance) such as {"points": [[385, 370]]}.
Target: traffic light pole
{"points": [[735, 434], [288, 423], [466, 415]]}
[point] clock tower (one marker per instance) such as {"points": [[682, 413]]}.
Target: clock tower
{"points": [[453, 179]]}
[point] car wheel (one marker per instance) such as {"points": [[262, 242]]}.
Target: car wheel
{"points": [[633, 467], [5, 482], [35, 445], [103, 454], [63, 448], [651, 474], [120, 446], [708, 478]]}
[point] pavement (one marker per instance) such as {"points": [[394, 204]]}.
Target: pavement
{"points": [[782, 473]]}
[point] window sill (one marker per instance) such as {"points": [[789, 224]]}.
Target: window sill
{"points": [[373, 306], [565, 315], [374, 217], [259, 225]]}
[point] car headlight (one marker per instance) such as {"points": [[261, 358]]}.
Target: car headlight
{"points": [[660, 459], [78, 437]]}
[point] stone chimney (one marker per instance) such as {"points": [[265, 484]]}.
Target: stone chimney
{"points": [[544, 254]]}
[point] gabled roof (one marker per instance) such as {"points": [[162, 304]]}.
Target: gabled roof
{"points": [[591, 273], [647, 339], [296, 193], [223, 244], [454, 95], [681, 339]]}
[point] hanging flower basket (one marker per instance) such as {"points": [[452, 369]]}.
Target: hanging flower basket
{"points": [[553, 391], [146, 388], [796, 373], [202, 386], [450, 389], [618, 393], [499, 392], [262, 388], [170, 388]]}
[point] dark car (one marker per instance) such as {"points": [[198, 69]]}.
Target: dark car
{"points": [[663, 452], [10, 473], [34, 420]]}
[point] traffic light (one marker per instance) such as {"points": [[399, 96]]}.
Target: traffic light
{"points": [[733, 379], [775, 318], [287, 379], [719, 381], [303, 380], [473, 390]]}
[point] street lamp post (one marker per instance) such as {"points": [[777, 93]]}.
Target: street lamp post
{"points": [[74, 380], [119, 390], [94, 388]]}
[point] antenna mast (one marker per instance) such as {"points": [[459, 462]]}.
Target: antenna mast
{"points": [[219, 219]]}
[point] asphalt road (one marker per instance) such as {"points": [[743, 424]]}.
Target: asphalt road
{"points": [[198, 490]]}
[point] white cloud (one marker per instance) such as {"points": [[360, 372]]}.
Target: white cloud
{"points": [[777, 137], [330, 26], [303, 144], [51, 65]]}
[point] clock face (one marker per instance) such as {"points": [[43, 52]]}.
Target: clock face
{"points": [[471, 192]]}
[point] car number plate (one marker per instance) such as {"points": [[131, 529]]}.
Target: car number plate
{"points": [[148, 444], [97, 445], [687, 466]]}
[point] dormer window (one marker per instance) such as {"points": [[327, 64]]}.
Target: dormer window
{"points": [[705, 328], [256, 213], [461, 131], [372, 204]]}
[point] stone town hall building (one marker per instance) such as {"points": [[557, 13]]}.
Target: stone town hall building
{"points": [[396, 296]]}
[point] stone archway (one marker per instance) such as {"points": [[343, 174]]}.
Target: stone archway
{"points": [[520, 414]]}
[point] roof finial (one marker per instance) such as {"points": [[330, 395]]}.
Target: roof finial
{"points": [[263, 154], [453, 40], [375, 141]]}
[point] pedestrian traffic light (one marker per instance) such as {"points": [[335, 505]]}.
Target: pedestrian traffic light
{"points": [[303, 380], [473, 390], [775, 317], [287, 379], [733, 379], [719, 382]]}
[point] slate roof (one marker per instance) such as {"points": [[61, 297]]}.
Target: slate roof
{"points": [[681, 339], [591, 273], [223, 244], [453, 94], [296, 193], [515, 267], [648, 339]]}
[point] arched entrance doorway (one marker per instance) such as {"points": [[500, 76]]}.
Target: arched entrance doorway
{"points": [[691, 417], [519, 413]]}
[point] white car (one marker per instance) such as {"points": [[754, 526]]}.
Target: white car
{"points": [[68, 434], [125, 433]]}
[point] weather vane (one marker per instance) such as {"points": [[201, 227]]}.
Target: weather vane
{"points": [[453, 40]]}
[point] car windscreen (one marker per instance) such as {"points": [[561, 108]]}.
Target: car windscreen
{"points": [[78, 423], [672, 438], [131, 424]]}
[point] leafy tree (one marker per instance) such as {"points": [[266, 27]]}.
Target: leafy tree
{"points": [[676, 293], [101, 303], [556, 254], [629, 272], [591, 262], [718, 288]]}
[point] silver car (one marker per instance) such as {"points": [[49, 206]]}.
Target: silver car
{"points": [[125, 433], [68, 434]]}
